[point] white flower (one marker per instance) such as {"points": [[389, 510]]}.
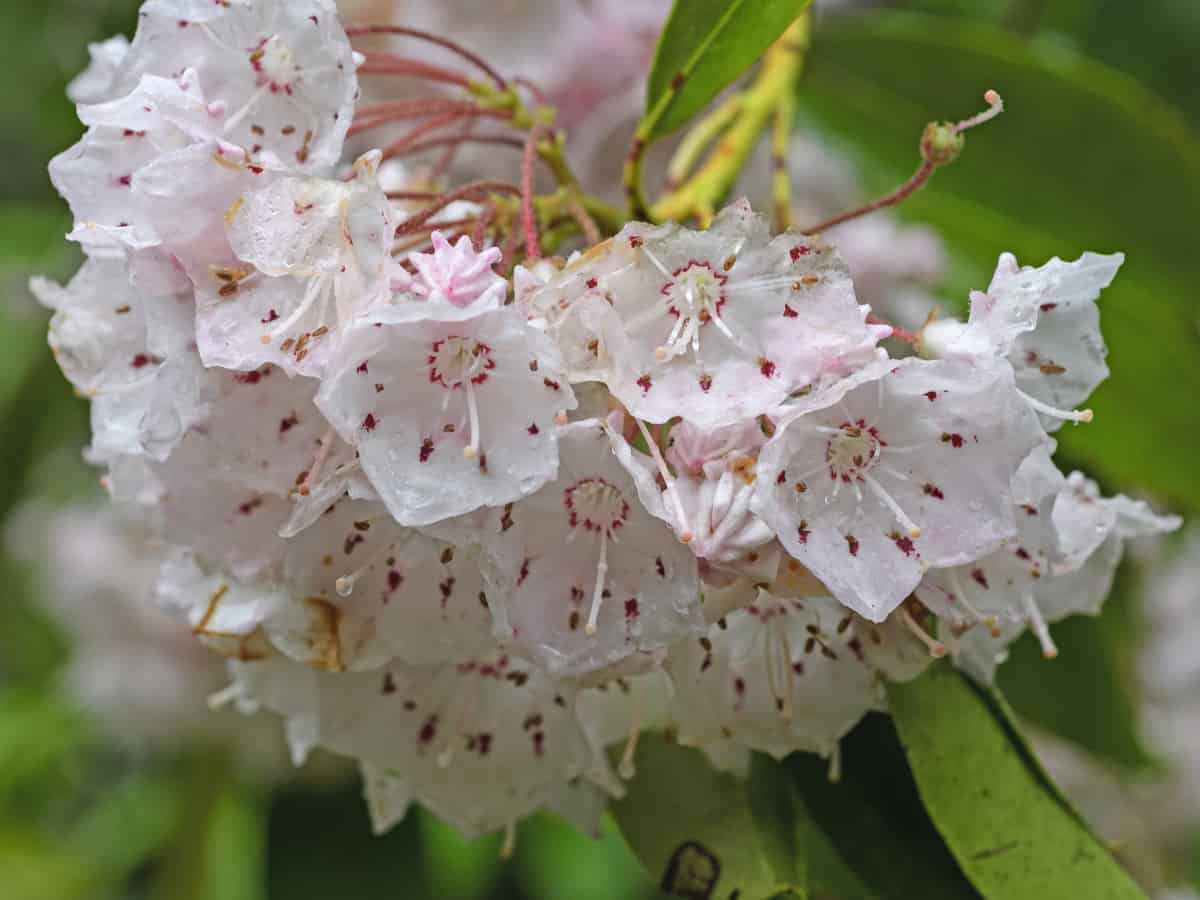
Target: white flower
{"points": [[1061, 562], [443, 732], [371, 591], [130, 353], [316, 251], [707, 501], [1045, 322], [872, 486], [279, 78], [449, 411], [161, 116], [94, 84], [596, 581], [724, 323], [784, 674]]}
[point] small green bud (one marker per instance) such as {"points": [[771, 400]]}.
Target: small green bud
{"points": [[941, 143]]}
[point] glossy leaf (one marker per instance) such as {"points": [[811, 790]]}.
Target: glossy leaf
{"points": [[874, 821], [1010, 832], [694, 828], [705, 46], [1082, 159]]}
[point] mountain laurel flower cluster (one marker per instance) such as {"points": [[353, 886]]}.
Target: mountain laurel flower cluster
{"points": [[469, 514]]}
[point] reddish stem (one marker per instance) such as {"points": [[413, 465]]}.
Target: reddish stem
{"points": [[906, 190], [591, 231], [528, 219], [391, 64], [536, 92], [494, 140], [412, 195], [402, 144], [898, 333], [448, 155], [474, 59], [470, 191]]}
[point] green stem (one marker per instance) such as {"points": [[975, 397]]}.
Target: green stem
{"points": [[774, 85]]}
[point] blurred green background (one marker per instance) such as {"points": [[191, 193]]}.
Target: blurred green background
{"points": [[1097, 151]]}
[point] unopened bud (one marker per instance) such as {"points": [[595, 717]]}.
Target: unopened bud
{"points": [[941, 143]]}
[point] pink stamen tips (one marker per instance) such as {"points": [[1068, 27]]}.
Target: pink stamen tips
{"points": [[995, 107]]}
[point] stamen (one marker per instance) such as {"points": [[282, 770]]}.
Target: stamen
{"points": [[835, 763], [510, 841], [626, 769], [345, 584], [225, 696], [936, 648], [914, 530], [684, 532], [238, 117], [601, 575], [472, 449], [315, 291], [314, 471], [1038, 624], [1080, 415], [988, 621]]}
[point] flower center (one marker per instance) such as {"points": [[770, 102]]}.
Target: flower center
{"points": [[595, 505], [455, 361], [272, 59], [852, 451], [695, 296]]}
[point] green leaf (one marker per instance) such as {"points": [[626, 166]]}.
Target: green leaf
{"points": [[1086, 695], [874, 821], [704, 47], [235, 863], [457, 869], [39, 733], [1083, 159], [1009, 830], [694, 828], [554, 861]]}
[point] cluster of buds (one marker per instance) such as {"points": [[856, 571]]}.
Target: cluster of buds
{"points": [[469, 523]]}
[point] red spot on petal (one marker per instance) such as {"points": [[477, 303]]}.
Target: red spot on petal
{"points": [[789, 313], [369, 422]]}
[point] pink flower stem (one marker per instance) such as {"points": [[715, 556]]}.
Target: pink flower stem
{"points": [[536, 92], [528, 220], [391, 64], [587, 225], [898, 333], [906, 190], [400, 145], [362, 30], [474, 190], [458, 140]]}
